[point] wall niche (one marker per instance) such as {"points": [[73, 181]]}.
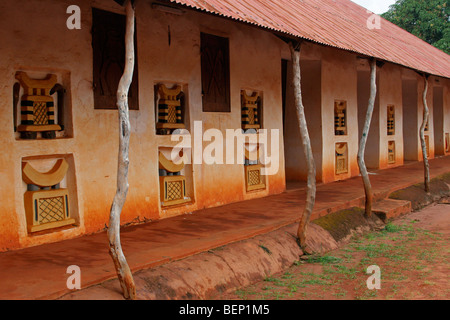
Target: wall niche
{"points": [[391, 152], [170, 102], [340, 118], [251, 110], [175, 178], [341, 155], [50, 197], [254, 180], [41, 105]]}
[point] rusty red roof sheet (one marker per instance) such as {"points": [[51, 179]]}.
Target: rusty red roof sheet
{"points": [[337, 23]]}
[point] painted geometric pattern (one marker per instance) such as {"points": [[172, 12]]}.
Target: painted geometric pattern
{"points": [[40, 113], [51, 209], [254, 177], [251, 116], [341, 165], [172, 114], [174, 190]]}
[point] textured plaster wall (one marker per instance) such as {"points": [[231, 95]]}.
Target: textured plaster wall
{"points": [[413, 88], [38, 42], [389, 92], [339, 80]]}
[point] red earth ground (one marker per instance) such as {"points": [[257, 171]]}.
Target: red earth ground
{"points": [[412, 253]]}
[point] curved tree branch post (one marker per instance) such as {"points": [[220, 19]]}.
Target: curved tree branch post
{"points": [[426, 115], [115, 248], [365, 133], [306, 142]]}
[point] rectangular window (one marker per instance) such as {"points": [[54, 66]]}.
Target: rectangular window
{"points": [[108, 44], [215, 65]]}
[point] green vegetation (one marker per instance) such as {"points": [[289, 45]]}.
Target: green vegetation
{"points": [[342, 274], [428, 20]]}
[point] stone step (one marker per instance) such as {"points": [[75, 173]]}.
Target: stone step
{"points": [[389, 208]]}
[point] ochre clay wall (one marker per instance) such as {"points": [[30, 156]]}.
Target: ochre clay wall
{"points": [[339, 82], [38, 42], [389, 92]]}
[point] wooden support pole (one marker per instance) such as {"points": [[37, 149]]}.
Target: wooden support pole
{"points": [[115, 248], [426, 115], [306, 142], [363, 141]]}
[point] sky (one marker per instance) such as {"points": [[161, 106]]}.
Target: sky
{"points": [[376, 6]]}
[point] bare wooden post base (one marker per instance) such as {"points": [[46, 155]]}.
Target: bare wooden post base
{"points": [[306, 142], [115, 248]]}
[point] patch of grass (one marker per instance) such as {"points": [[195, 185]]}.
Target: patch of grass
{"points": [[275, 281], [324, 260], [287, 275], [374, 250], [391, 228]]}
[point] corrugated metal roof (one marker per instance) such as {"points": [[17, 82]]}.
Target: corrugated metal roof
{"points": [[337, 23]]}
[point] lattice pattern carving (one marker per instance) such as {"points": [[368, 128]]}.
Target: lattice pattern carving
{"points": [[172, 190], [250, 106], [340, 118], [341, 158], [391, 120], [253, 178], [391, 152], [51, 209], [175, 190]]}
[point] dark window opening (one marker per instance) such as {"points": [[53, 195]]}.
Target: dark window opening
{"points": [[108, 44], [215, 65]]}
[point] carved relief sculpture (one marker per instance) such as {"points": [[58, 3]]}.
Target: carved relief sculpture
{"points": [[340, 118], [391, 152], [169, 109], [253, 178], [46, 204], [172, 184], [37, 107], [250, 116], [391, 120], [341, 158]]}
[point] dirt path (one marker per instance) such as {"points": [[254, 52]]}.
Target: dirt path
{"points": [[412, 252]]}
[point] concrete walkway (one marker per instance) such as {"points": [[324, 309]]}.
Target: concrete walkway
{"points": [[40, 272]]}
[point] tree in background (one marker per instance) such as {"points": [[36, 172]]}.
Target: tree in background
{"points": [[426, 19]]}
